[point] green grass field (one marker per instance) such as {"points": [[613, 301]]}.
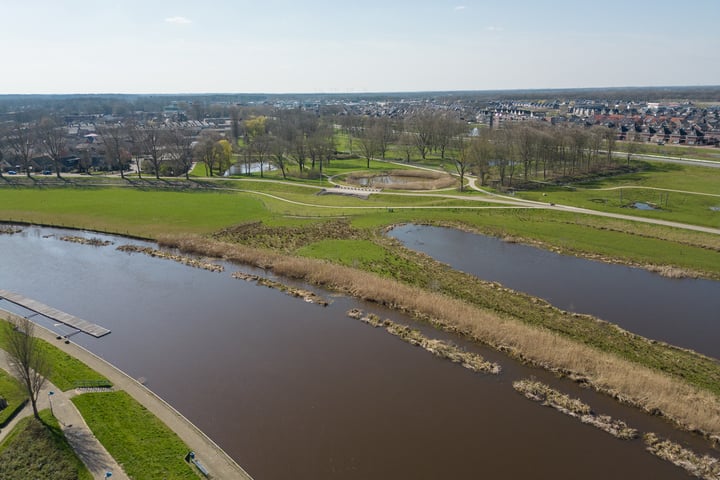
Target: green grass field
{"points": [[141, 443], [38, 450]]}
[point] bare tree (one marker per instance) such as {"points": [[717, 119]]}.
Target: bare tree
{"points": [[423, 127], [153, 142], [446, 128], [114, 138], [51, 137], [278, 150], [180, 149], [463, 159], [481, 153], [406, 143], [632, 145], [28, 358], [257, 139], [21, 140], [370, 140], [206, 151]]}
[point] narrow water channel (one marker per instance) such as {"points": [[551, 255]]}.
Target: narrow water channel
{"points": [[682, 312], [295, 390]]}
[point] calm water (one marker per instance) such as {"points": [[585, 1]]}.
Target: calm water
{"points": [[295, 390], [683, 312]]}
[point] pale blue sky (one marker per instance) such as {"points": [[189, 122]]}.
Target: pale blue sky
{"points": [[282, 46]]}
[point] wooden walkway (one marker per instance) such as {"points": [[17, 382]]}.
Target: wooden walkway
{"points": [[65, 318]]}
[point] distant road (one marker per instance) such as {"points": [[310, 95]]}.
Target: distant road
{"points": [[682, 161]]}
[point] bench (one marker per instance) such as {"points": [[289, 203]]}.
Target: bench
{"points": [[200, 467], [190, 457]]}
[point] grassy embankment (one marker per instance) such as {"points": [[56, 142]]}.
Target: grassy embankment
{"points": [[141, 443], [66, 371], [37, 449], [145, 447]]}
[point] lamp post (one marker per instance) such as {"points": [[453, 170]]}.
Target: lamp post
{"points": [[50, 395]]}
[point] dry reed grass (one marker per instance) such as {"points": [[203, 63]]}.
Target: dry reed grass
{"points": [[539, 392], [9, 230], [190, 262], [306, 295], [705, 467], [689, 407], [426, 180], [95, 242], [439, 348]]}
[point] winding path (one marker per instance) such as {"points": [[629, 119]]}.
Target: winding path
{"points": [[217, 462]]}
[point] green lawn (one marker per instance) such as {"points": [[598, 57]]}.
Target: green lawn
{"points": [[680, 193], [145, 213], [142, 444], [13, 392], [65, 370], [38, 450]]}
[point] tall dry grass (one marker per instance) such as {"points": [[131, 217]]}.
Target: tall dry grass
{"points": [[690, 407]]}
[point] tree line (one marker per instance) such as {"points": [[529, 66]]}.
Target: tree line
{"points": [[307, 141]]}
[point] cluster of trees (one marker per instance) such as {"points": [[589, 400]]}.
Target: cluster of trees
{"points": [[20, 142], [534, 151], [307, 139]]}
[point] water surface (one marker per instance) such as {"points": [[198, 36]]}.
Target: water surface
{"points": [[295, 390], [683, 312]]}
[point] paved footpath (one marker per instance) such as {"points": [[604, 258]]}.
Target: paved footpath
{"points": [[76, 431], [216, 461]]}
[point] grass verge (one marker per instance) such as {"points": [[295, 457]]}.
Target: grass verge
{"points": [[39, 450], [142, 444], [14, 394], [66, 371]]}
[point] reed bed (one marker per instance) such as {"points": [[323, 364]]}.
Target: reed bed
{"points": [[422, 179], [189, 261], [9, 230], [705, 467], [94, 241], [690, 407], [455, 354], [307, 295], [573, 407]]}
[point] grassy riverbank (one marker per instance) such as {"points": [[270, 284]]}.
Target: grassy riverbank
{"points": [[152, 211], [141, 443]]}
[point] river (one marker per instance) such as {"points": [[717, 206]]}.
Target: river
{"points": [[682, 312], [294, 390]]}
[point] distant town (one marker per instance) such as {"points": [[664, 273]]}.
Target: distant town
{"points": [[65, 133]]}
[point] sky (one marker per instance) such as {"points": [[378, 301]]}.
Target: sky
{"points": [[285, 46]]}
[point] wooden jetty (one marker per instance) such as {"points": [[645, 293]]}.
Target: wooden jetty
{"points": [[54, 314]]}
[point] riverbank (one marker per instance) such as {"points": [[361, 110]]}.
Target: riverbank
{"points": [[690, 407], [218, 463]]}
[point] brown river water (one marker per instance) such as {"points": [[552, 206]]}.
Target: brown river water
{"points": [[295, 390]]}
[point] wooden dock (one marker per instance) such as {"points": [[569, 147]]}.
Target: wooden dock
{"points": [[54, 314]]}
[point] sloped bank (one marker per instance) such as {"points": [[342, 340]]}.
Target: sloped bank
{"points": [[690, 407]]}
